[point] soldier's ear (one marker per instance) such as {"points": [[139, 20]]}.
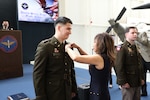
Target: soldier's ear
{"points": [[58, 27]]}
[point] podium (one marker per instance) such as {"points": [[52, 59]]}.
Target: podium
{"points": [[10, 54]]}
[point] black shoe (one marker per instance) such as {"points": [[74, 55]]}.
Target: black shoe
{"points": [[144, 94]]}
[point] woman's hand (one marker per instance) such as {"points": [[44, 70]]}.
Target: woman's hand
{"points": [[73, 45], [67, 46]]}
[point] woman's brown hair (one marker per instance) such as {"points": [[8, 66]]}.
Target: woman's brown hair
{"points": [[105, 44]]}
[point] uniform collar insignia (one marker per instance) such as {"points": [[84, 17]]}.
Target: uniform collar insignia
{"points": [[56, 50]]}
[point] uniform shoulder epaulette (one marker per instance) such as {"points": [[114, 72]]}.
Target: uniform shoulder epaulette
{"points": [[45, 41]]}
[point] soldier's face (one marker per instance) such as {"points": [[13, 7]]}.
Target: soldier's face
{"points": [[132, 34], [65, 30]]}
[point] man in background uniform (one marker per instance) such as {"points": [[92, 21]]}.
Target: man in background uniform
{"points": [[129, 69], [54, 74], [5, 25], [143, 45]]}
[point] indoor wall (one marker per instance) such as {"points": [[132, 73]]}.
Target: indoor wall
{"points": [[90, 17]]}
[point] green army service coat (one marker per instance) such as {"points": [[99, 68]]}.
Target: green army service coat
{"points": [[53, 73], [128, 66]]}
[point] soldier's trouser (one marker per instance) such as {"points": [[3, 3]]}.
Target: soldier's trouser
{"points": [[132, 93], [146, 66]]}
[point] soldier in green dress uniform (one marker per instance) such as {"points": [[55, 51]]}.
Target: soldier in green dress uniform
{"points": [[54, 74], [129, 69]]}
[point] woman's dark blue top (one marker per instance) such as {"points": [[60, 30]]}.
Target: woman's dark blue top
{"points": [[99, 81]]}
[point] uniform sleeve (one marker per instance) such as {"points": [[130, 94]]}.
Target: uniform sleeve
{"points": [[142, 67], [39, 72], [73, 77], [120, 67]]}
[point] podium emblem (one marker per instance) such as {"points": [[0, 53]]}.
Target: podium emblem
{"points": [[8, 43]]}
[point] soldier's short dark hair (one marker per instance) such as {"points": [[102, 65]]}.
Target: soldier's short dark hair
{"points": [[62, 20], [128, 28]]}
